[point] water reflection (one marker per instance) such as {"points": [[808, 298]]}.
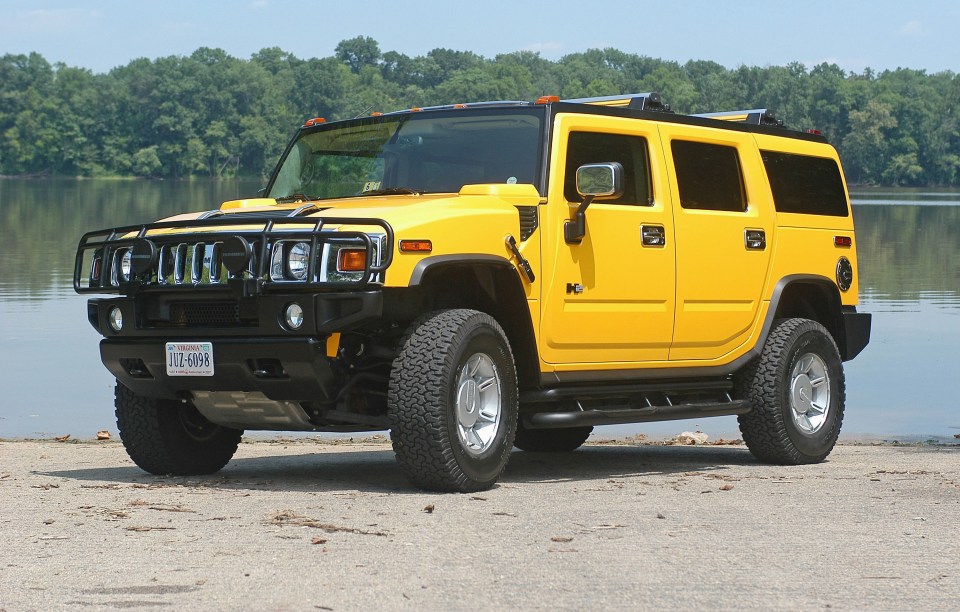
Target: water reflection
{"points": [[52, 382]]}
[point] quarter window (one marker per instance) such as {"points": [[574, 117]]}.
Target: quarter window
{"points": [[805, 184], [596, 148], [709, 176]]}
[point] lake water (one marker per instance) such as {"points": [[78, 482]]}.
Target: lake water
{"points": [[903, 386]]}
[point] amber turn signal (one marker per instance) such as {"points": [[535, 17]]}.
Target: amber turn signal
{"points": [[352, 260], [415, 246]]}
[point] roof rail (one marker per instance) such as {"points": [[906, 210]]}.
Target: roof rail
{"points": [[643, 101], [757, 116], [463, 105]]}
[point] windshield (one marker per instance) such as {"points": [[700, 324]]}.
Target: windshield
{"points": [[432, 152]]}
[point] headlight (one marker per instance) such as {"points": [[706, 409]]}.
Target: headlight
{"points": [[121, 266], [125, 264], [298, 260], [290, 260]]}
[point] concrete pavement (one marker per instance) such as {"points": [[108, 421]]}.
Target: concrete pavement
{"points": [[294, 525]]}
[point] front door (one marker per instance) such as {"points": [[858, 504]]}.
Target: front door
{"points": [[608, 300]]}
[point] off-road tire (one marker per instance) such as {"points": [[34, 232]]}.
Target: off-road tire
{"points": [[171, 437], [562, 440], [423, 397], [770, 430]]}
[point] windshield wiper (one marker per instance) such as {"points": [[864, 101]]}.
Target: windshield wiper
{"points": [[295, 197], [391, 191]]}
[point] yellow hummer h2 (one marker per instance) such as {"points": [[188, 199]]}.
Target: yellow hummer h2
{"points": [[482, 276]]}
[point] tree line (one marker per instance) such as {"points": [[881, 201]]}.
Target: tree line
{"points": [[211, 114]]}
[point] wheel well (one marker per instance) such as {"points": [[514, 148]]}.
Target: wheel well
{"points": [[814, 300], [494, 289]]}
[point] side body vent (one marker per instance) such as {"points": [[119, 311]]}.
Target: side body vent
{"points": [[529, 220]]}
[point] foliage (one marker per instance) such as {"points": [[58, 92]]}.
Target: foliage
{"points": [[214, 115]]}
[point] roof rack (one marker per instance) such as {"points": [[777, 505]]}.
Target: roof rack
{"points": [[757, 116], [644, 101]]}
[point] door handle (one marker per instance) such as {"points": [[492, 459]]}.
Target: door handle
{"points": [[652, 236], [755, 240]]}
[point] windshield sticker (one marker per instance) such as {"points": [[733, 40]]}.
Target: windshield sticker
{"points": [[371, 186]]}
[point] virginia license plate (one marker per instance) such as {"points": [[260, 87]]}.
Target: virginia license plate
{"points": [[189, 359]]}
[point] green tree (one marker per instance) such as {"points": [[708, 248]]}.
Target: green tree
{"points": [[865, 146], [358, 52]]}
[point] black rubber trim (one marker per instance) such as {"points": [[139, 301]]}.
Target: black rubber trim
{"points": [[420, 270], [856, 326]]}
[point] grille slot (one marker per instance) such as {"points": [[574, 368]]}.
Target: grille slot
{"points": [[529, 220], [204, 314]]}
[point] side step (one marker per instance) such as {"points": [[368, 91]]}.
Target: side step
{"points": [[642, 402], [582, 418]]}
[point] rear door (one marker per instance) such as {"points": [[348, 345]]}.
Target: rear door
{"points": [[724, 228]]}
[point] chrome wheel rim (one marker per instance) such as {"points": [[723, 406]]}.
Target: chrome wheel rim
{"points": [[478, 403], [809, 393]]}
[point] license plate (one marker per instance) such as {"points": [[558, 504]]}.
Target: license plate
{"points": [[189, 359]]}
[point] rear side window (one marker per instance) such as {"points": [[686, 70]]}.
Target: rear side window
{"points": [[804, 184], [708, 176]]}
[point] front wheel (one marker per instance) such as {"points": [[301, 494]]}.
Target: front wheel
{"points": [[171, 437], [797, 390], [453, 401]]}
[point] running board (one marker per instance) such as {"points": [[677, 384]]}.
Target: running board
{"points": [[624, 390], [583, 418]]}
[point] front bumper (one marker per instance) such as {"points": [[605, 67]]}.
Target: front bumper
{"points": [[252, 351]]}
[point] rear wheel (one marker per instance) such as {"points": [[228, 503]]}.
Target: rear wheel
{"points": [[453, 401], [171, 437], [797, 390]]}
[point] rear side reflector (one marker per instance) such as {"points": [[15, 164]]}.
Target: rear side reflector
{"points": [[842, 241]]}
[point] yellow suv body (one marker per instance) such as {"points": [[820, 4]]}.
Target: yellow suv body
{"points": [[481, 276]]}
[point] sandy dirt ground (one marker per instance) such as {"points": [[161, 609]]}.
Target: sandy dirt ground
{"points": [[298, 525]]}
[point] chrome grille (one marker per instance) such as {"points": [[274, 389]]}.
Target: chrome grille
{"points": [[191, 263]]}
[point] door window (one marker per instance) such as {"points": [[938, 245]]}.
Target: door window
{"points": [[708, 176], [597, 148]]}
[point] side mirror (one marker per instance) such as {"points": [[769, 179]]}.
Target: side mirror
{"points": [[594, 182], [602, 181]]}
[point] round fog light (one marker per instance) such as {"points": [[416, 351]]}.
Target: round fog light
{"points": [[293, 316], [116, 319]]}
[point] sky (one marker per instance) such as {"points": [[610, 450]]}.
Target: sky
{"points": [[854, 34]]}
